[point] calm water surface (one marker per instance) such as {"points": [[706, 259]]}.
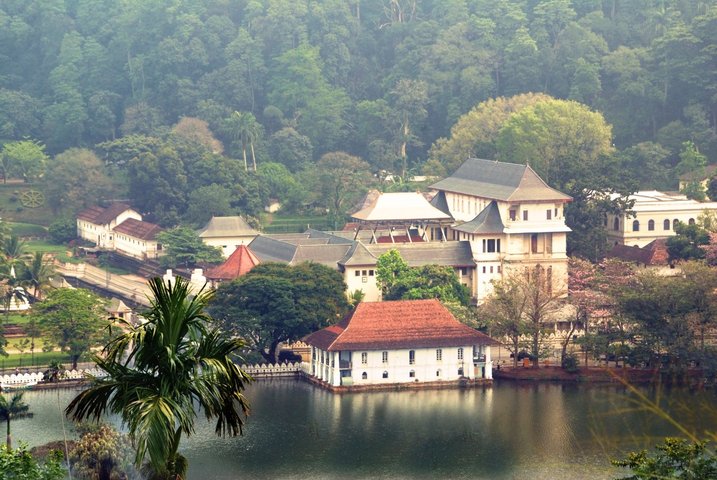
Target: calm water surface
{"points": [[509, 431]]}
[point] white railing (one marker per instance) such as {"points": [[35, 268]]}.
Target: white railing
{"points": [[29, 378], [272, 370]]}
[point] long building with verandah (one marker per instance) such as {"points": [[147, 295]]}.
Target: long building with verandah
{"points": [[399, 342]]}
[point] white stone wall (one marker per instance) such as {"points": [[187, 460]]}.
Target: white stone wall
{"points": [[229, 244], [396, 366], [135, 247], [362, 278]]}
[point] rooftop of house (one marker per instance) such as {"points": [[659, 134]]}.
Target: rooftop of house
{"points": [[400, 324], [654, 200], [103, 215], [227, 227], [700, 174], [508, 182], [138, 229], [400, 207], [653, 254], [488, 221], [240, 262]]}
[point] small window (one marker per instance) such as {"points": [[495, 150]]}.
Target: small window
{"points": [[513, 214], [666, 225], [364, 273], [385, 374], [357, 273], [636, 226], [491, 269], [491, 246], [498, 268], [438, 373], [483, 269], [651, 225], [460, 372], [460, 353], [616, 224], [549, 214], [364, 376], [412, 374], [556, 212], [364, 358], [464, 271], [411, 357], [439, 354], [525, 215], [384, 357], [370, 273]]}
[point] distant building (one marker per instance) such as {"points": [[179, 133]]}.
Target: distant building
{"points": [[239, 263], [227, 233], [653, 256], [701, 176], [654, 215], [138, 239], [397, 342], [95, 224]]}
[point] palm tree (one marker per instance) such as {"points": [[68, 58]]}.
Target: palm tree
{"points": [[13, 409], [158, 371], [13, 248], [38, 273], [247, 130]]}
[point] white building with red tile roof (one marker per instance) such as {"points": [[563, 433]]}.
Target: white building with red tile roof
{"points": [[239, 263], [407, 341], [95, 224]]}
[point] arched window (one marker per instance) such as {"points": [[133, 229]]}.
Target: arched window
{"points": [[691, 221], [666, 225], [364, 376], [616, 224], [674, 224], [651, 225], [635, 226], [385, 374]]}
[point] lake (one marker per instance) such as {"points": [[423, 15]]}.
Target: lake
{"points": [[509, 431]]}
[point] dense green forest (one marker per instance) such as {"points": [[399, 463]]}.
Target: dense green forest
{"points": [[177, 101]]}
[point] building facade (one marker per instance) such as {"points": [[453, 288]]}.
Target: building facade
{"points": [[95, 224], [227, 233], [654, 215], [408, 341]]}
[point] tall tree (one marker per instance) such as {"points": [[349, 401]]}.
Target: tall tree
{"points": [[342, 178], [74, 319], [26, 159], [184, 247], [160, 371], [247, 131]]}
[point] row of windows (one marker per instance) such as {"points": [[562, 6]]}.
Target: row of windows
{"points": [[491, 269], [411, 356], [411, 374], [651, 224], [364, 273], [513, 214]]}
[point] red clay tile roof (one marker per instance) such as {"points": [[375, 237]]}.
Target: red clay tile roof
{"points": [[399, 324], [654, 253], [103, 216], [238, 263], [138, 229]]}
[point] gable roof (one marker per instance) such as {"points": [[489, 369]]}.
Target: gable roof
{"points": [[227, 227], [103, 216], [138, 229], [440, 202], [508, 182], [358, 254], [652, 254], [398, 324], [487, 221], [400, 206], [324, 249], [239, 263], [452, 254]]}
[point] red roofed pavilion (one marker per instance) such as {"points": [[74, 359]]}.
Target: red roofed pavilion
{"points": [[239, 263], [405, 341]]}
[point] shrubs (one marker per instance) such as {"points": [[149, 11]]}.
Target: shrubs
{"points": [[570, 363], [62, 230]]}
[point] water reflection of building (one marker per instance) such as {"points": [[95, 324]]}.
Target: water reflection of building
{"points": [[388, 343]]}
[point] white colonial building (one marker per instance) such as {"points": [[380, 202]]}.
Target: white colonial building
{"points": [[408, 341], [137, 239], [95, 224], [654, 215]]}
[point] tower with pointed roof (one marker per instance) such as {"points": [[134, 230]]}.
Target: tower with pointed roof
{"points": [[512, 218]]}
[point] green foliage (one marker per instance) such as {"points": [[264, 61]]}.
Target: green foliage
{"points": [[25, 159], [570, 364], [18, 464], [276, 303], [101, 453], [63, 230], [183, 247], [676, 458], [76, 179], [686, 243], [74, 319], [12, 409], [161, 373]]}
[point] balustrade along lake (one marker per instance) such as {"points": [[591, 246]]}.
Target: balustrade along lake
{"points": [[508, 431]]}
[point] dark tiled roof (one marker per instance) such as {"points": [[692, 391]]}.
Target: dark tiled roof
{"points": [[439, 201], [325, 254], [454, 253], [653, 254], [330, 237], [499, 181], [394, 325], [488, 221], [269, 249], [358, 254], [227, 227], [699, 174], [103, 216], [138, 229], [238, 264]]}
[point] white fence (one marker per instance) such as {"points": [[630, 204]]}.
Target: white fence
{"points": [[273, 370], [29, 378]]}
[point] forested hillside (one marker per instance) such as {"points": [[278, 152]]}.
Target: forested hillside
{"points": [[288, 81]]}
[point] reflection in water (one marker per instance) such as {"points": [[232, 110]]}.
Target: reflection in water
{"points": [[510, 431]]}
